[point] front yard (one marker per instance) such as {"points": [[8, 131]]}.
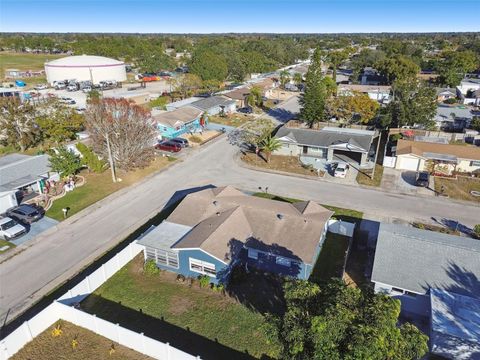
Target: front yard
{"points": [[89, 346], [234, 120], [5, 245], [197, 320], [459, 188], [363, 177], [289, 164], [99, 186]]}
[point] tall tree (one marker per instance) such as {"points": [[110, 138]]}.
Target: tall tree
{"points": [[398, 68], [187, 84], [269, 145], [208, 65], [297, 78], [353, 108], [17, 124], [255, 131], [313, 98], [335, 59], [255, 98], [123, 131], [455, 65], [65, 162], [284, 78], [339, 322]]}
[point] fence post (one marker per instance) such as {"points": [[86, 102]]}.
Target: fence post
{"points": [[95, 321], [118, 261], [28, 331], [143, 342], [167, 351], [118, 332], [104, 273], [88, 285]]}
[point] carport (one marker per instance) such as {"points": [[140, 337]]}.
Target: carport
{"points": [[350, 157]]}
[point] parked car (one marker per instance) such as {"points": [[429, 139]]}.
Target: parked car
{"points": [[87, 89], [168, 145], [67, 100], [422, 179], [72, 88], [341, 170], [41, 87], [80, 110], [181, 141], [245, 110], [60, 86], [10, 229], [26, 213]]}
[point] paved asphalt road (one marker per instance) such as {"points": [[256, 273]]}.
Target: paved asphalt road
{"points": [[30, 274]]}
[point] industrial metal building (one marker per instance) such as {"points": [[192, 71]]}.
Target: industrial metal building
{"points": [[85, 68]]}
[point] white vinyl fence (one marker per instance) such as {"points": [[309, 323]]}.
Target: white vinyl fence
{"points": [[63, 309]]}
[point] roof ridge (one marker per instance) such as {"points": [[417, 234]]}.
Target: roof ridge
{"points": [[454, 245], [21, 161]]}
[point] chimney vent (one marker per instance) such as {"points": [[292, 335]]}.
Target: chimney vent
{"points": [[280, 216]]}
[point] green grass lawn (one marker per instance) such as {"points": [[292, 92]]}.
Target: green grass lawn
{"points": [[99, 186], [162, 307], [6, 243], [22, 61], [234, 120], [331, 259], [363, 178]]}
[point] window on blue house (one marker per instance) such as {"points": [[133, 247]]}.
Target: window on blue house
{"points": [[283, 261], [202, 267], [253, 254], [163, 257]]}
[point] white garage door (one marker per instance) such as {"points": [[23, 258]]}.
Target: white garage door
{"points": [[405, 163]]}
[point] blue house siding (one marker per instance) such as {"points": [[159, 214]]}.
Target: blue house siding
{"points": [[184, 264], [169, 132]]}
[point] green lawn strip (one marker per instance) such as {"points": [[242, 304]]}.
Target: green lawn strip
{"points": [[202, 311], [363, 178], [25, 61], [6, 243], [331, 259]]}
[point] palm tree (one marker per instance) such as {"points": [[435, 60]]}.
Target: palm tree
{"points": [[255, 97], [284, 78], [269, 145], [297, 78]]}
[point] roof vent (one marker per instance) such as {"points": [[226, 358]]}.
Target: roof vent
{"points": [[215, 202], [218, 213], [280, 216]]}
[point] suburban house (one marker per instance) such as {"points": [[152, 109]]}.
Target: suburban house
{"points": [[445, 94], [370, 76], [327, 144], [455, 325], [453, 118], [214, 229], [214, 105], [239, 95], [187, 119], [23, 177], [267, 86], [380, 93], [435, 277], [181, 103], [467, 89], [419, 155]]}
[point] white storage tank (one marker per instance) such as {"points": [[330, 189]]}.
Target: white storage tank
{"points": [[85, 68]]}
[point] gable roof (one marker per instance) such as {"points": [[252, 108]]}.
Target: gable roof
{"points": [[18, 170], [238, 94], [360, 139], [211, 102], [224, 217], [177, 117], [417, 260], [423, 149]]}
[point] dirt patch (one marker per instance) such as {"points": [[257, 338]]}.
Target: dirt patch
{"points": [[179, 305], [458, 188], [89, 346], [289, 164]]}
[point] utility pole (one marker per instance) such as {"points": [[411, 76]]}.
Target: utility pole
{"points": [[110, 158], [376, 154]]}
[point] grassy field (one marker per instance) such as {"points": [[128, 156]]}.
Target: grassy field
{"points": [[363, 178], [189, 317], [5, 243], [331, 259], [90, 346], [24, 61], [99, 186], [459, 188], [289, 164]]}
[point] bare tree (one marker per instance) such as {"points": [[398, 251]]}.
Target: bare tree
{"points": [[122, 132], [17, 123]]}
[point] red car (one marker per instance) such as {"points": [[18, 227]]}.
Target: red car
{"points": [[167, 145]]}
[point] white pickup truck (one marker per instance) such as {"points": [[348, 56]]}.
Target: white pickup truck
{"points": [[10, 229]]}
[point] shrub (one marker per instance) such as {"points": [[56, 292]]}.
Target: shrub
{"points": [[181, 278], [450, 101], [196, 139], [150, 268], [204, 281], [159, 102], [219, 288], [395, 137], [90, 159], [476, 230]]}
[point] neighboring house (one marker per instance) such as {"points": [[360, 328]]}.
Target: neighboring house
{"points": [[23, 177], [239, 96], [181, 103], [174, 123], [467, 85], [215, 229], [417, 156], [455, 325], [329, 143], [267, 86], [409, 262], [214, 105], [453, 118], [371, 76], [375, 92], [445, 94]]}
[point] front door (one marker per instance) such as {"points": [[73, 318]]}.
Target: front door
{"points": [[305, 150]]}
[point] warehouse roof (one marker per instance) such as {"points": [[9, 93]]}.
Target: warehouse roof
{"points": [[19, 170], [417, 260], [84, 61], [328, 136]]}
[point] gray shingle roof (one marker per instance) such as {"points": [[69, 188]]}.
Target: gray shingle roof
{"points": [[417, 260], [18, 170], [328, 137], [211, 102]]}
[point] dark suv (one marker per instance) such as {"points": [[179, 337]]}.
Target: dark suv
{"points": [[422, 179], [180, 141], [26, 213]]}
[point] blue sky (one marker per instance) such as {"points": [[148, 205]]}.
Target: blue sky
{"points": [[215, 16]]}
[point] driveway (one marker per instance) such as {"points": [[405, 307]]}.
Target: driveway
{"points": [[403, 181], [35, 229], [286, 110], [79, 240]]}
